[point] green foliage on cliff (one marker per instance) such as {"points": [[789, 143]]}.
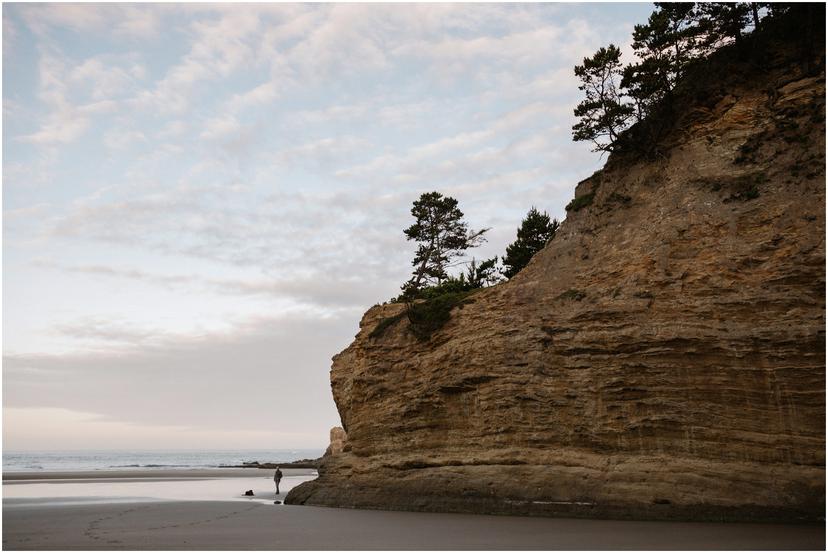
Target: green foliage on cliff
{"points": [[385, 324], [535, 231], [671, 46], [432, 293], [577, 204], [602, 114], [428, 316], [442, 235], [429, 313], [428, 309]]}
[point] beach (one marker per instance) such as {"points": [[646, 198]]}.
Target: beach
{"points": [[205, 509]]}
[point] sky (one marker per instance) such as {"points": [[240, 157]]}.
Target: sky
{"points": [[201, 201]]}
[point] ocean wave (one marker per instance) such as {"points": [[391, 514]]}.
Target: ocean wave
{"points": [[72, 460]]}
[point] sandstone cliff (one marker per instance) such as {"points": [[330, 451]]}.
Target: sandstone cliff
{"points": [[663, 356]]}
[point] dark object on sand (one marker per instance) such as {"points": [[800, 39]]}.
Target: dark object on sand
{"points": [[248, 492], [277, 502]]}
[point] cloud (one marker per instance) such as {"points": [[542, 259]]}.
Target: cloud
{"points": [[404, 164], [11, 35], [221, 45], [100, 329], [525, 47], [220, 128], [424, 160], [133, 21], [76, 17], [332, 114], [172, 129], [140, 21], [22, 212], [230, 134], [53, 428], [258, 159], [322, 153], [188, 382], [318, 289], [103, 78], [172, 93], [114, 272], [98, 108], [257, 96], [62, 127], [64, 122], [37, 172], [346, 39], [60, 85], [123, 139]]}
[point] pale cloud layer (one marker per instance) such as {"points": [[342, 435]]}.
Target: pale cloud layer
{"points": [[200, 201]]}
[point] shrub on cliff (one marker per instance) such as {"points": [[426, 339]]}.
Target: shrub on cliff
{"points": [[427, 317], [577, 204], [428, 309]]}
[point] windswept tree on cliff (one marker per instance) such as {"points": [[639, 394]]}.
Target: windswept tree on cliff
{"points": [[442, 236], [666, 45], [603, 114], [535, 231], [724, 22], [675, 36]]}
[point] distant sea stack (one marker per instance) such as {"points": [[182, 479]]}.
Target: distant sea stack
{"points": [[662, 357], [338, 438]]}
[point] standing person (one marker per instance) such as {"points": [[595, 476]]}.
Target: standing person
{"points": [[277, 477]]}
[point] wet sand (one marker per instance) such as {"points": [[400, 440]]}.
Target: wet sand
{"points": [[228, 525], [73, 488], [98, 518]]}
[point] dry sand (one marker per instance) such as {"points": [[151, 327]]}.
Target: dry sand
{"points": [[97, 519]]}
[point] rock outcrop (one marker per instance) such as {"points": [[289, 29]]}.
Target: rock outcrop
{"points": [[662, 357], [338, 439]]}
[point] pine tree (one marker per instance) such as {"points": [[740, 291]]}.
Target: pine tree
{"points": [[666, 45], [535, 231], [482, 274], [603, 115], [442, 234], [723, 22]]}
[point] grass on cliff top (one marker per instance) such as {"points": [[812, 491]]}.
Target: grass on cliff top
{"points": [[385, 324], [577, 204]]}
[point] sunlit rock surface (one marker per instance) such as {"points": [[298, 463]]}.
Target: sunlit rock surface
{"points": [[662, 357]]}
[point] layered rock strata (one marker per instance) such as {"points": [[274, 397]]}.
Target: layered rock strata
{"points": [[662, 357]]}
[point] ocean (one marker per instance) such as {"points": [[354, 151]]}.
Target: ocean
{"points": [[24, 461]]}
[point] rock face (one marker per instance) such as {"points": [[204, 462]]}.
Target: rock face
{"points": [[662, 357], [338, 438]]}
